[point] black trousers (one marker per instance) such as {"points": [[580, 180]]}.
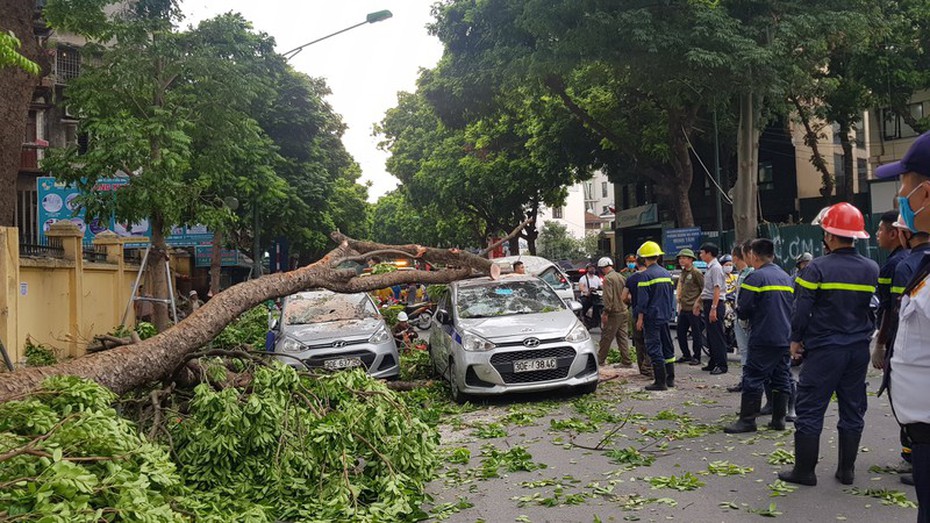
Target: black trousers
{"points": [[919, 434], [767, 365], [715, 337], [687, 321]]}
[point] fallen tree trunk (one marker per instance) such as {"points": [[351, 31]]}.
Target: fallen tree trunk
{"points": [[124, 368]]}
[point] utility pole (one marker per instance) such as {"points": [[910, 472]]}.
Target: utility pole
{"points": [[717, 180]]}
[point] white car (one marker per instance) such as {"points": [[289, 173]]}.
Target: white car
{"points": [[510, 335], [543, 269]]}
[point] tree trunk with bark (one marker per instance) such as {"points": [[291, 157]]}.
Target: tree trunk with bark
{"points": [[158, 257], [812, 137], [849, 162], [746, 194], [16, 88], [679, 124], [125, 368]]}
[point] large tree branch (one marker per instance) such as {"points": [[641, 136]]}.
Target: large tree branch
{"points": [[516, 231]]}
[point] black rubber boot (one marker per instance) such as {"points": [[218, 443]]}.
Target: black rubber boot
{"points": [[670, 375], [749, 405], [658, 370], [848, 448], [779, 410], [767, 408], [907, 479], [792, 401], [806, 450]]}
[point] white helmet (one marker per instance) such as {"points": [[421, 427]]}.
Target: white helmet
{"points": [[605, 262], [402, 316]]}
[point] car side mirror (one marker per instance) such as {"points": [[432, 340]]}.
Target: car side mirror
{"points": [[575, 305], [443, 317]]}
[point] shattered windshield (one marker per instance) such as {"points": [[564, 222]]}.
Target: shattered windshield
{"points": [[505, 299], [302, 309]]}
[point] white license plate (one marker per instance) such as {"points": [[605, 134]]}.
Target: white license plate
{"points": [[532, 365], [342, 363]]}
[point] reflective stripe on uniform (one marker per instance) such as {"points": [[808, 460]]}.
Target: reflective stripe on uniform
{"points": [[655, 281], [835, 286], [767, 288], [884, 281], [897, 290]]}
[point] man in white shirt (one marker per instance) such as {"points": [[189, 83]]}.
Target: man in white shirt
{"points": [[909, 387], [589, 283]]}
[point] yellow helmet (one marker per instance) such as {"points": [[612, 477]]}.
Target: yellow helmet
{"points": [[649, 249]]}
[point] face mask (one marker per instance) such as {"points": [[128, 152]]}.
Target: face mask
{"points": [[908, 214], [631, 265], [727, 269]]}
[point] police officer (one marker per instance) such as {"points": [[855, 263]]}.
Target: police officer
{"points": [[765, 301], [615, 318], [889, 239], [655, 305], [832, 326], [909, 387]]}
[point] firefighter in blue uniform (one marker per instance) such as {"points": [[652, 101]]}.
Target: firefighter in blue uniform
{"points": [[765, 300], [889, 238], [655, 305], [831, 326]]}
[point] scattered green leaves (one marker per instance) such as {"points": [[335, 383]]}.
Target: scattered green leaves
{"points": [[781, 457], [780, 488], [686, 481], [887, 496], [725, 468], [629, 456]]}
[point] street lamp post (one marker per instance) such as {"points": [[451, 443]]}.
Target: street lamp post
{"points": [[370, 18]]}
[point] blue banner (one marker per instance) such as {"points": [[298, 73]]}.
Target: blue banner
{"points": [[58, 201], [674, 240]]}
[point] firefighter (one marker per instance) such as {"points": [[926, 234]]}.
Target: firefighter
{"points": [[765, 301], [831, 327], [655, 305]]}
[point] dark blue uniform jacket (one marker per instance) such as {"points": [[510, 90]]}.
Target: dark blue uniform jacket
{"points": [[655, 298], [765, 300], [906, 268], [832, 303], [886, 300]]}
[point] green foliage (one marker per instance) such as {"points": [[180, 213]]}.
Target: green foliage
{"points": [[887, 496], [629, 456], [725, 468], [88, 463], [9, 56], [323, 448], [686, 481], [780, 457], [395, 219], [146, 330], [556, 244], [390, 314], [415, 365], [515, 459], [39, 355], [437, 291], [490, 431], [768, 512], [780, 488], [248, 329], [459, 456]]}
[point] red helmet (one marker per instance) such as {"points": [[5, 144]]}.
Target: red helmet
{"points": [[842, 219]]}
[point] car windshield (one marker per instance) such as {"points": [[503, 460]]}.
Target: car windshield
{"points": [[302, 309], [505, 299]]}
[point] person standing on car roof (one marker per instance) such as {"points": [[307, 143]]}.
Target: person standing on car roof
{"points": [[831, 326], [639, 341], [690, 284], [909, 356], [712, 302], [765, 299], [655, 306], [615, 318]]}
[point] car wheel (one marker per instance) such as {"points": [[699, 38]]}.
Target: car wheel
{"points": [[589, 388], [457, 395], [423, 321]]}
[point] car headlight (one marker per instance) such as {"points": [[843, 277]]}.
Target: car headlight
{"points": [[475, 343], [578, 334], [380, 336], [291, 345]]}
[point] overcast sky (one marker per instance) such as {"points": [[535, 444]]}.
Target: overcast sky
{"points": [[364, 67]]}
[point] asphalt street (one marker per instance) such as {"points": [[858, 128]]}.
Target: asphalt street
{"points": [[611, 457]]}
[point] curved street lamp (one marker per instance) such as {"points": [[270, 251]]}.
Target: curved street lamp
{"points": [[371, 18]]}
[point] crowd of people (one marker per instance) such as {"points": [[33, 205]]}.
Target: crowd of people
{"points": [[820, 321]]}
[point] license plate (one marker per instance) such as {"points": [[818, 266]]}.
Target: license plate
{"points": [[342, 363], [532, 365]]}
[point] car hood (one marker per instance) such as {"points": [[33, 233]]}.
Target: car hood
{"points": [[545, 325], [333, 330]]}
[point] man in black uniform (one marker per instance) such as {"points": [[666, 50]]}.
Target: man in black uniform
{"points": [[765, 300], [832, 326]]}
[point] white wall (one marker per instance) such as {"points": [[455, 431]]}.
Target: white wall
{"points": [[572, 212]]}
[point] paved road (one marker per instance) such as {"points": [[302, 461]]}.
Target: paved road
{"points": [[580, 485]]}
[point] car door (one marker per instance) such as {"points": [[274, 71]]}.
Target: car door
{"points": [[440, 338]]}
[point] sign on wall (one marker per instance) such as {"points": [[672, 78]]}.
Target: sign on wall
{"points": [[59, 201], [674, 240]]}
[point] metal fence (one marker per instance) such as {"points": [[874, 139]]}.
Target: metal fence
{"points": [[42, 248]]}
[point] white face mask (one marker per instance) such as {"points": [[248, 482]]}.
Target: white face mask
{"points": [[727, 269]]}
